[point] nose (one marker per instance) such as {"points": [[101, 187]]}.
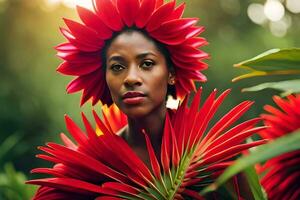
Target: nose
{"points": [[133, 77]]}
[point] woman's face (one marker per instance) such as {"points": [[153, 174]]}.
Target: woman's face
{"points": [[136, 74]]}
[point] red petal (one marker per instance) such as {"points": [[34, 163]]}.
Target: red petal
{"points": [[205, 114], [85, 81], [80, 57], [153, 160], [177, 119], [128, 10], [108, 198], [159, 16], [178, 12], [127, 155], [121, 188], [109, 14], [144, 13], [193, 194], [190, 74], [187, 51], [93, 21], [72, 184], [171, 27], [159, 3], [232, 141], [68, 143], [227, 120], [174, 144], [81, 45], [48, 171], [166, 148], [84, 161], [75, 131], [196, 42], [234, 131], [230, 152], [78, 69], [66, 47], [48, 158], [83, 33]]}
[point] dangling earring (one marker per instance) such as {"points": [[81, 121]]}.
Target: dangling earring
{"points": [[172, 81]]}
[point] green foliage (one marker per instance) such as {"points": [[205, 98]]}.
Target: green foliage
{"points": [[272, 62], [253, 180], [8, 144], [286, 87], [12, 185], [262, 153]]}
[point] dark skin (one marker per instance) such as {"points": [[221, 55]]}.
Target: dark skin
{"points": [[135, 64]]}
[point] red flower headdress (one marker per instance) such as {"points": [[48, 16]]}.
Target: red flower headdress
{"points": [[162, 21], [283, 172]]}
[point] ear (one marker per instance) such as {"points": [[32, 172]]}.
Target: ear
{"points": [[171, 79]]}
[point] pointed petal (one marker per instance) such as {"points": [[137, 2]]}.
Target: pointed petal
{"points": [[93, 21], [79, 57], [144, 13], [128, 10], [83, 33], [153, 160], [78, 69], [159, 16], [81, 45], [159, 3], [68, 143], [178, 12], [66, 47], [73, 184], [75, 131], [121, 188], [109, 14]]}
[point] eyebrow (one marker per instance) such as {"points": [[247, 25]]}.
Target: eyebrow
{"points": [[140, 56], [143, 55], [115, 58]]}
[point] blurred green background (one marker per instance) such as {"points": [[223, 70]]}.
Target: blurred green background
{"points": [[33, 100]]}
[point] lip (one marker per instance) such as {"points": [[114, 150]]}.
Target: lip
{"points": [[133, 97]]}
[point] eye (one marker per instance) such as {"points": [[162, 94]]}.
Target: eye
{"points": [[117, 67], [147, 64]]}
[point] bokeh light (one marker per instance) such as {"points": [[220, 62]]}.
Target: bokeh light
{"points": [[255, 12], [274, 10], [293, 6], [71, 3]]}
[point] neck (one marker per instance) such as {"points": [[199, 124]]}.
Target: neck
{"points": [[153, 124]]}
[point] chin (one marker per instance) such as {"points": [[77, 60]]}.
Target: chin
{"points": [[136, 112]]}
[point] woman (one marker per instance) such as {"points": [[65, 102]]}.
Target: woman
{"points": [[136, 53], [137, 75]]}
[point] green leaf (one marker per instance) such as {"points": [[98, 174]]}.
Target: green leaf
{"points": [[8, 144], [287, 87], [262, 153], [272, 62], [254, 184], [12, 184]]}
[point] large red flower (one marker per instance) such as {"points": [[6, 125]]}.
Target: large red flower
{"points": [[105, 167], [162, 22], [282, 172]]}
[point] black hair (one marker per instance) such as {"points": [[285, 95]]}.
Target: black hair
{"points": [[171, 90]]}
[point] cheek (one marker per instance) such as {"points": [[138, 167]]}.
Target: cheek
{"points": [[159, 84], [112, 84]]}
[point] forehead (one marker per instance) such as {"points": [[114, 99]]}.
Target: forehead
{"points": [[132, 43]]}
